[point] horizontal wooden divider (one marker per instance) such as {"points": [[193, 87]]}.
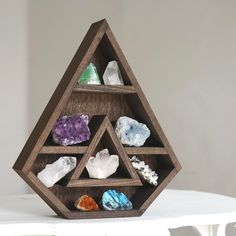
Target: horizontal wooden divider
{"points": [[121, 89]]}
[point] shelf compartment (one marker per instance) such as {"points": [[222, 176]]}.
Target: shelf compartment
{"points": [[120, 89], [105, 138]]}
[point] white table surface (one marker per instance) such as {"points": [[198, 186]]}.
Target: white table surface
{"points": [[29, 215]]}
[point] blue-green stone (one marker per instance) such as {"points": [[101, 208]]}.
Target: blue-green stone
{"points": [[89, 75], [115, 200]]}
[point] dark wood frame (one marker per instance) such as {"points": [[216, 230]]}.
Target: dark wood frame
{"points": [[104, 104]]}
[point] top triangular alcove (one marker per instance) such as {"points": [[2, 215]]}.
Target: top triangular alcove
{"points": [[98, 46]]}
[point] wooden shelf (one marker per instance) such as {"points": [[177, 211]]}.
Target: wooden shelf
{"points": [[104, 105], [63, 150], [82, 149], [104, 182], [75, 214], [146, 150], [120, 89]]}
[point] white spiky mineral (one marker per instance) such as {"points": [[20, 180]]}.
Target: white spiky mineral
{"points": [[144, 171]]}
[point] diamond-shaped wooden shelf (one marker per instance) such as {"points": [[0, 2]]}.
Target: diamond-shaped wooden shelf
{"points": [[104, 105]]}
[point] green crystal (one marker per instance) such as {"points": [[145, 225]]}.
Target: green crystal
{"points": [[90, 75]]}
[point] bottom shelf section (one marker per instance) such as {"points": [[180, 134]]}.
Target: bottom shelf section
{"points": [[62, 197]]}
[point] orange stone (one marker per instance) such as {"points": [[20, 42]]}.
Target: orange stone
{"points": [[86, 203]]}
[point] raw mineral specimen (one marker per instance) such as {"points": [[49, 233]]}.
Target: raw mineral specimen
{"points": [[131, 132], [115, 200], [86, 203], [89, 75], [102, 165], [145, 171], [52, 173], [70, 130], [112, 75]]}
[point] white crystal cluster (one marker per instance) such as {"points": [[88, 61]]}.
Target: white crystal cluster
{"points": [[52, 173], [112, 75], [131, 132], [102, 165], [144, 171]]}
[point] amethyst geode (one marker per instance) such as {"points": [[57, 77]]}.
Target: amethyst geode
{"points": [[70, 130]]}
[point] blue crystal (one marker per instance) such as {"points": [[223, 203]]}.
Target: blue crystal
{"points": [[115, 200], [131, 132]]}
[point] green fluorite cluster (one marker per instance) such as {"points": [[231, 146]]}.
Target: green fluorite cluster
{"points": [[90, 75]]}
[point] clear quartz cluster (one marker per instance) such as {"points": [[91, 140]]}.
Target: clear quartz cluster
{"points": [[52, 173], [131, 132], [144, 171], [102, 165]]}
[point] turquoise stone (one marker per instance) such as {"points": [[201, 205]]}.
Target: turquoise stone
{"points": [[90, 75], [115, 200]]}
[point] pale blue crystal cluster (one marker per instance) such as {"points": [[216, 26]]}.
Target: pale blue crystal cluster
{"points": [[115, 200], [131, 132]]}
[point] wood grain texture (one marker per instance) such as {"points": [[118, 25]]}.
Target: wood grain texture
{"points": [[104, 182], [120, 89], [104, 105], [145, 150], [63, 150]]}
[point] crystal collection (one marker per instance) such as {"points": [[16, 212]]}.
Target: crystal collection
{"points": [[74, 129], [111, 76]]}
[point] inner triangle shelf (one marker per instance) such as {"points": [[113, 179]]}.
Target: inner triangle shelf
{"points": [[105, 137], [104, 105]]}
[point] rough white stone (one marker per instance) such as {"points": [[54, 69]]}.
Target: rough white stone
{"points": [[52, 173], [112, 75], [131, 132], [144, 171], [102, 165]]}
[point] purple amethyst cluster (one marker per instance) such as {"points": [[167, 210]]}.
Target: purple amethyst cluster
{"points": [[70, 130]]}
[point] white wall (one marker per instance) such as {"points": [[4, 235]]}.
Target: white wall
{"points": [[184, 56], [13, 91], [55, 32], [182, 52]]}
